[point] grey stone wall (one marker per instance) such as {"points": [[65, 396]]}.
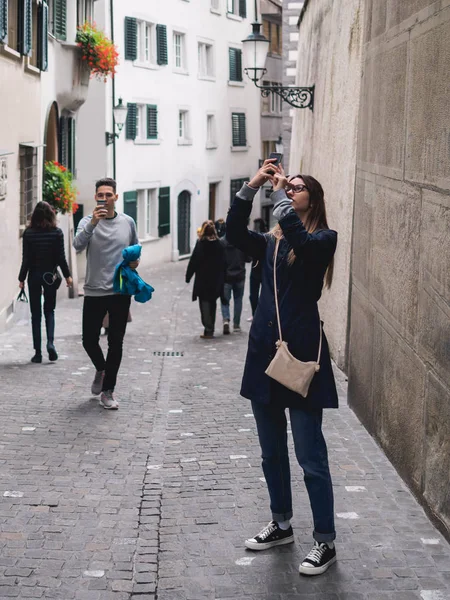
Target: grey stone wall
{"points": [[399, 359], [291, 13]]}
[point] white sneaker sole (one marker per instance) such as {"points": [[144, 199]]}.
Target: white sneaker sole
{"points": [[260, 546], [108, 407], [316, 570]]}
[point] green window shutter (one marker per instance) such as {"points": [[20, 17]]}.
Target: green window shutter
{"points": [[161, 44], [42, 36], [235, 186], [130, 38], [63, 141], [3, 21], [60, 19], [239, 129], [164, 211], [71, 140], [25, 27], [152, 122], [130, 205], [243, 8], [130, 125], [235, 60]]}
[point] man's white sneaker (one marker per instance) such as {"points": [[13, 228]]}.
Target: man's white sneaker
{"points": [[97, 384], [107, 400]]}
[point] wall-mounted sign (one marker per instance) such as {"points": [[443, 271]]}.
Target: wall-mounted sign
{"points": [[3, 177]]}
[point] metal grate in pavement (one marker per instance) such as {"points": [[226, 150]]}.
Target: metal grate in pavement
{"points": [[168, 353]]}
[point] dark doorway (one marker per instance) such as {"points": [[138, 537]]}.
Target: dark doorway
{"points": [[212, 201], [184, 223]]}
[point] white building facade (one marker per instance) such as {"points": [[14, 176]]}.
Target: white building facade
{"points": [[192, 134]]}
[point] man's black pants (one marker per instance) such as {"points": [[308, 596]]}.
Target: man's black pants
{"points": [[94, 311]]}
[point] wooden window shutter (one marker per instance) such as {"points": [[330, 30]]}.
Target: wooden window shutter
{"points": [[130, 204], [63, 141], [235, 59], [152, 122], [243, 8], [25, 27], [130, 125], [60, 19], [235, 186], [4, 21], [164, 211], [239, 129], [42, 36], [71, 141], [161, 45], [130, 38]]}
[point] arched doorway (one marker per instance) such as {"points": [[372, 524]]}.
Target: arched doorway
{"points": [[184, 223], [51, 134]]}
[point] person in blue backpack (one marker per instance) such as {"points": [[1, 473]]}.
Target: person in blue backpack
{"points": [[105, 234]]}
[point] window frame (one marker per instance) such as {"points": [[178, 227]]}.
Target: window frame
{"points": [[85, 12], [211, 131], [183, 136], [206, 60], [144, 27], [148, 213], [28, 184], [182, 67]]}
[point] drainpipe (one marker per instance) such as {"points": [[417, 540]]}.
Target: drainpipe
{"points": [[111, 11]]}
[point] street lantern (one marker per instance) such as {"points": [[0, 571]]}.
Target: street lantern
{"points": [[256, 46], [120, 116]]}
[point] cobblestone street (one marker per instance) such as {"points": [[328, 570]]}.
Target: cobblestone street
{"points": [[154, 501]]}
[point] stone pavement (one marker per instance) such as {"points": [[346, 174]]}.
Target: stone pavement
{"points": [[154, 501]]}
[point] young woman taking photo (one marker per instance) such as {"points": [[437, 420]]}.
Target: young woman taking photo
{"points": [[305, 248], [43, 252]]}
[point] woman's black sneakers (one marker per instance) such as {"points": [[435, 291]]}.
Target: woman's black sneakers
{"points": [[318, 560], [37, 358], [52, 354], [271, 535]]}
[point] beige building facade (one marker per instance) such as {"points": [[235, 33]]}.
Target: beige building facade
{"points": [[378, 142]]}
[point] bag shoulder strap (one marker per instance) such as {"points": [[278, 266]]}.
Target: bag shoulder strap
{"points": [[275, 291]]}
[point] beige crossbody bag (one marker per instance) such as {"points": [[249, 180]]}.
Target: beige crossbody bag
{"points": [[285, 368]]}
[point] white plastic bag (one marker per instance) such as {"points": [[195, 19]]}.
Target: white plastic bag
{"points": [[22, 309]]}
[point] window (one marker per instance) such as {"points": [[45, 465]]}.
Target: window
{"points": [[183, 127], [142, 122], [272, 31], [267, 148], [67, 141], [211, 141], [205, 60], [85, 11], [235, 186], [147, 214], [28, 182], [179, 51], [235, 63], [237, 7], [215, 5], [13, 22], [239, 133], [58, 18], [273, 103], [145, 42]]}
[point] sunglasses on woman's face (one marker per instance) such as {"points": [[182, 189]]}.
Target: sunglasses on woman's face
{"points": [[296, 188]]}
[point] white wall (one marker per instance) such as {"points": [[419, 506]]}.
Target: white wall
{"points": [[19, 123], [166, 163]]}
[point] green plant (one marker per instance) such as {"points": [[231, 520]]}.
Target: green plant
{"points": [[98, 51], [58, 188]]}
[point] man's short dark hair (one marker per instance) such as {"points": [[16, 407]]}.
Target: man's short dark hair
{"points": [[109, 181]]}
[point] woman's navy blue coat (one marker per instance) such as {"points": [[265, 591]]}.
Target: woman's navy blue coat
{"points": [[300, 287]]}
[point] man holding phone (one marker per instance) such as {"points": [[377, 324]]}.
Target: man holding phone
{"points": [[104, 235]]}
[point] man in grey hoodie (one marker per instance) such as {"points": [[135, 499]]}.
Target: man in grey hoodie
{"points": [[104, 235]]}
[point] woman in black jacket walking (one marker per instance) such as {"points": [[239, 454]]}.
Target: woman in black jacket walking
{"points": [[208, 264], [305, 260], [43, 252]]}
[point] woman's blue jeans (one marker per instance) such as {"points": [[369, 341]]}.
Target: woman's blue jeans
{"points": [[312, 456]]}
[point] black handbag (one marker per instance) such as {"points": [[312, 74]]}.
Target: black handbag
{"points": [[53, 279]]}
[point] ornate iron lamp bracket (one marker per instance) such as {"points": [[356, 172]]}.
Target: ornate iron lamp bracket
{"points": [[298, 97]]}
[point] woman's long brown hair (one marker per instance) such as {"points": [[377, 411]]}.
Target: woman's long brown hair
{"points": [[208, 231], [317, 219], [43, 217]]}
